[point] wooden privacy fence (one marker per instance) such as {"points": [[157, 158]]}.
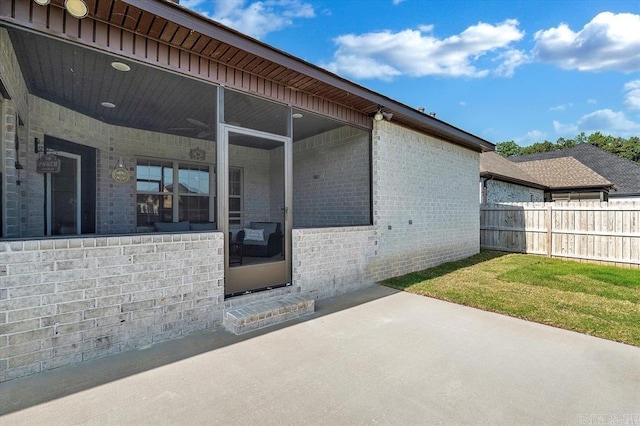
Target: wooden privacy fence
{"points": [[591, 231]]}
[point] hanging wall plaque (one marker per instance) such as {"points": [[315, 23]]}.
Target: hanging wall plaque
{"points": [[48, 163]]}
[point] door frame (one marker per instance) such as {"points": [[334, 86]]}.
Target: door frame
{"points": [[222, 151], [49, 207]]}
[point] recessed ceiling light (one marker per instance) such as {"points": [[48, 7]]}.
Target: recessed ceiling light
{"points": [[77, 8], [120, 66], [42, 2], [108, 104], [296, 115]]}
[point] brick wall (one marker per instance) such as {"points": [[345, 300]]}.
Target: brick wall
{"points": [[416, 178], [506, 192], [333, 261], [425, 200], [69, 300], [332, 179], [15, 198]]}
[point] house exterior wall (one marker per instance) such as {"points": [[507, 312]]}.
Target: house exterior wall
{"points": [[332, 261], [506, 192], [416, 178], [71, 300], [430, 183], [14, 83]]}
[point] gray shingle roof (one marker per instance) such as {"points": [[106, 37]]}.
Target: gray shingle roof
{"points": [[495, 166], [566, 172], [625, 174]]}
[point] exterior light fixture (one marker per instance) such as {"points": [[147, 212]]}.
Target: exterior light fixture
{"points": [[382, 115], [77, 8], [108, 104], [120, 66], [296, 115]]}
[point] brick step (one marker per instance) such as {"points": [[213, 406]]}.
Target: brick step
{"points": [[264, 313]]}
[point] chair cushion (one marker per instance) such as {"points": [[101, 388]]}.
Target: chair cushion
{"points": [[171, 226], [206, 226], [254, 234], [269, 227]]}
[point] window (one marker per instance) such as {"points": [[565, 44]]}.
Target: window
{"points": [[193, 193], [235, 196], [160, 200]]}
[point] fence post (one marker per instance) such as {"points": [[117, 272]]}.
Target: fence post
{"points": [[548, 224]]}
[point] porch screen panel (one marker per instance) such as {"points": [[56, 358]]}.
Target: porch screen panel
{"points": [[254, 113], [331, 173]]}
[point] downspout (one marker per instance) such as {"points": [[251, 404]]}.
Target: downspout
{"points": [[484, 189]]}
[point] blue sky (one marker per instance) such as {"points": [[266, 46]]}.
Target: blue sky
{"points": [[503, 70]]}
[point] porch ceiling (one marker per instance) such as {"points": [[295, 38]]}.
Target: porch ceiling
{"points": [[145, 97]]}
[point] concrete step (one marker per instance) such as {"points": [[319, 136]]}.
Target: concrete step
{"points": [[264, 313]]}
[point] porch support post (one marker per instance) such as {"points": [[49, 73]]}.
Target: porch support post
{"points": [[222, 175]]}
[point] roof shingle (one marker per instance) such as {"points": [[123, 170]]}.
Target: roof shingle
{"points": [[492, 164], [625, 174], [566, 172]]}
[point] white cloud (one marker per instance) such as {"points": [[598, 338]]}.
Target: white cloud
{"points": [[510, 60], [462, 103], [531, 137], [561, 107], [605, 121], [592, 101], [256, 19], [417, 52], [609, 42], [397, 2], [632, 97]]}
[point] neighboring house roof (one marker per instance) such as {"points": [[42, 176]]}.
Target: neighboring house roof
{"points": [[564, 173], [625, 174], [494, 166]]}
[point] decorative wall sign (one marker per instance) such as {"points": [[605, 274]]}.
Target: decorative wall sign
{"points": [[197, 154], [120, 174], [48, 163]]}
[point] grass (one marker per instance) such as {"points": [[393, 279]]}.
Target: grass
{"points": [[602, 301]]}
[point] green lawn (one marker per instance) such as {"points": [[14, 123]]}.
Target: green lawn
{"points": [[602, 301]]}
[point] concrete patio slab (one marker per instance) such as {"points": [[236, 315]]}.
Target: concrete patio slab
{"points": [[373, 357]]}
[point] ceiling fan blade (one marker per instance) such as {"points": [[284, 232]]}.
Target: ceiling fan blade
{"points": [[204, 134], [197, 123]]}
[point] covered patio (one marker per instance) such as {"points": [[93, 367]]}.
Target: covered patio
{"points": [[157, 167]]}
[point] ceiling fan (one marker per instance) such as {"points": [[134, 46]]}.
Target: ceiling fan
{"points": [[203, 129]]}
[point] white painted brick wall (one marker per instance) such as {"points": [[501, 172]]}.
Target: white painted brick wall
{"points": [[431, 183], [64, 301], [415, 177], [333, 261]]}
